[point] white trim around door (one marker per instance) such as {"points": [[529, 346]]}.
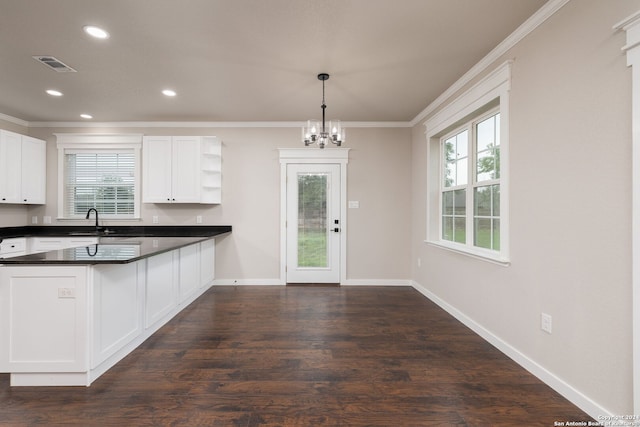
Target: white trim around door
{"points": [[290, 156]]}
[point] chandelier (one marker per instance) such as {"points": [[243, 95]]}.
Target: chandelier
{"points": [[314, 133]]}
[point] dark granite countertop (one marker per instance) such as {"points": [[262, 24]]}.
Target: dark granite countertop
{"points": [[114, 231], [120, 245]]}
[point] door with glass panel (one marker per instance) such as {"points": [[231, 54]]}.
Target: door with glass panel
{"points": [[313, 223]]}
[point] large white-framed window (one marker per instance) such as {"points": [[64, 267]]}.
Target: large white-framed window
{"points": [[467, 200], [101, 172]]}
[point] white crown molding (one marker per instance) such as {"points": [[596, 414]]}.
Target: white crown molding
{"points": [[14, 120], [537, 19], [631, 25], [236, 125]]}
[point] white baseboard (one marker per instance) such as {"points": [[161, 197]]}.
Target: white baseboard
{"points": [[277, 282], [376, 282], [558, 384], [247, 282]]}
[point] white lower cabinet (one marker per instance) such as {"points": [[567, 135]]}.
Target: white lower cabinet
{"points": [[207, 261], [43, 324], [67, 325], [117, 308], [189, 271], [162, 287]]}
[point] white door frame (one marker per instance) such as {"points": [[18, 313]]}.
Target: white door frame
{"points": [[631, 26], [305, 156]]}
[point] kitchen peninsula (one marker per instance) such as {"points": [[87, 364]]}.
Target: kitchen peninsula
{"points": [[76, 300]]}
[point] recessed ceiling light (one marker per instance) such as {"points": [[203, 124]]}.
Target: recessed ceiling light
{"points": [[96, 32], [54, 92], [86, 116], [169, 92]]}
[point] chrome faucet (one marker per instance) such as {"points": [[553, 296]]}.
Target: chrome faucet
{"points": [[98, 228]]}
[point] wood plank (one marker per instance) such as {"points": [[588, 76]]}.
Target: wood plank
{"points": [[303, 356]]}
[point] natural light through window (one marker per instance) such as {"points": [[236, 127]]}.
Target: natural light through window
{"points": [[467, 171], [100, 172]]}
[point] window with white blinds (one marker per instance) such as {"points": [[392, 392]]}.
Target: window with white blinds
{"points": [[101, 172], [104, 181]]}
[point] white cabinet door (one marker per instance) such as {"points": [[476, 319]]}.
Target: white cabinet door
{"points": [[10, 166], [117, 308], [207, 262], [43, 319], [181, 169], [189, 271], [156, 169], [162, 286], [186, 169], [34, 160]]}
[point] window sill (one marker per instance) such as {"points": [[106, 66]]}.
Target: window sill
{"points": [[477, 253]]}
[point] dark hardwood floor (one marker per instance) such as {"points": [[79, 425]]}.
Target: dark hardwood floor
{"points": [[296, 356]]}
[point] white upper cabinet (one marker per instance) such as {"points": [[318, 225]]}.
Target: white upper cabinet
{"points": [[181, 169], [22, 169], [34, 160]]}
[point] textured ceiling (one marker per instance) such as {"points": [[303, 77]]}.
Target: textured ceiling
{"points": [[244, 60]]}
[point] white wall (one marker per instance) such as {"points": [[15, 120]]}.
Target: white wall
{"points": [[378, 177], [570, 206]]}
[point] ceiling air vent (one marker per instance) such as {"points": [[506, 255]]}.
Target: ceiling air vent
{"points": [[54, 64]]}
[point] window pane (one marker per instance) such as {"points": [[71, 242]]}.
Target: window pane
{"points": [[450, 149], [460, 202], [459, 231], [312, 220], [495, 189], [497, 116], [447, 228], [99, 180], [485, 169], [487, 149], [462, 143], [450, 174], [462, 170], [482, 201], [447, 203], [496, 234], [485, 131], [482, 232]]}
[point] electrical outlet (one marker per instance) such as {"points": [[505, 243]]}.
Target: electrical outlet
{"points": [[34, 220], [46, 219], [419, 262], [155, 219], [546, 322], [199, 219], [66, 293]]}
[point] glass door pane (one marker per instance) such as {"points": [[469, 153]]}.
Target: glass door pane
{"points": [[312, 220]]}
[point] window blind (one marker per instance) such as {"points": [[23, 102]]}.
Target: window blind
{"points": [[101, 180]]}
